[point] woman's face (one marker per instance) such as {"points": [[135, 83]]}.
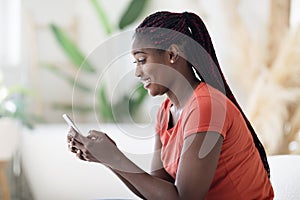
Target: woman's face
{"points": [[152, 68]]}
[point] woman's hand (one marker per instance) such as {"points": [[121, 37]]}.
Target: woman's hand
{"points": [[96, 147]]}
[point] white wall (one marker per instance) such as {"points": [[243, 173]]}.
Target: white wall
{"points": [[295, 14]]}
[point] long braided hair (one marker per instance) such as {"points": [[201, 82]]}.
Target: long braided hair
{"points": [[206, 64]]}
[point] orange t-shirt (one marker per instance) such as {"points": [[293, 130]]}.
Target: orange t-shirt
{"points": [[240, 173]]}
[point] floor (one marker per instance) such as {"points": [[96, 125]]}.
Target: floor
{"points": [[18, 187]]}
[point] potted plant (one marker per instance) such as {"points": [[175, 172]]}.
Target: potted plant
{"points": [[104, 107]]}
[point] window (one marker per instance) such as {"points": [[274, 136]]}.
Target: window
{"points": [[10, 32]]}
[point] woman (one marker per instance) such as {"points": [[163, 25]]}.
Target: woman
{"points": [[205, 146]]}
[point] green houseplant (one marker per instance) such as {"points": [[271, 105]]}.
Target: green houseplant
{"points": [[13, 115], [72, 51], [13, 104]]}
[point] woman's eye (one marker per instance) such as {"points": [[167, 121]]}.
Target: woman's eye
{"points": [[140, 61]]}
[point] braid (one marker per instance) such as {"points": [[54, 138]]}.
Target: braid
{"points": [[203, 60], [201, 35]]}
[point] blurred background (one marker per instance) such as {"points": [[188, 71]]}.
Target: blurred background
{"points": [[73, 56]]}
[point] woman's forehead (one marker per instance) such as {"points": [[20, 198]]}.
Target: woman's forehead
{"points": [[137, 47], [140, 44], [143, 45]]}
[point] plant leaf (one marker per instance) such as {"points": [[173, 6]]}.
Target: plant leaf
{"points": [[17, 89], [138, 97], [67, 77], [71, 50], [104, 105], [102, 16], [133, 11], [21, 113]]}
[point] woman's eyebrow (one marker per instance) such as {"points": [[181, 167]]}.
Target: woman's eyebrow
{"points": [[137, 52]]}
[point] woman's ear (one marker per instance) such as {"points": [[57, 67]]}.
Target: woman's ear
{"points": [[173, 53]]}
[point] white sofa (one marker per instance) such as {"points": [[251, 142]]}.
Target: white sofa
{"points": [[54, 173], [285, 176]]}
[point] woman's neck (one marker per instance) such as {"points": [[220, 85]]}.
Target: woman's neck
{"points": [[180, 93]]}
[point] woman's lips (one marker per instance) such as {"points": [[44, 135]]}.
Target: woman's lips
{"points": [[146, 82]]}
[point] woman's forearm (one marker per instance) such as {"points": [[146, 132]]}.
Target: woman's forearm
{"points": [[143, 184], [102, 150], [128, 184]]}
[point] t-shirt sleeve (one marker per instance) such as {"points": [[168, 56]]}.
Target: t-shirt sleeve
{"points": [[206, 114]]}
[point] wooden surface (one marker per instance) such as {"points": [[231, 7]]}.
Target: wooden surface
{"points": [[3, 181]]}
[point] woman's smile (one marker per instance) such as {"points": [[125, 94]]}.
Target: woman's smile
{"points": [[146, 82]]}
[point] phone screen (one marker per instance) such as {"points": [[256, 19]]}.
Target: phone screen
{"points": [[71, 123]]}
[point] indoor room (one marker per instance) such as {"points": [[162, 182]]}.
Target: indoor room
{"points": [[86, 59]]}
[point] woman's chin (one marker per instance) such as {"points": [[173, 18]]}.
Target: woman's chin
{"points": [[155, 90], [154, 93], [151, 92]]}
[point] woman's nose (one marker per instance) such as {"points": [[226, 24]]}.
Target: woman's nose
{"points": [[138, 71]]}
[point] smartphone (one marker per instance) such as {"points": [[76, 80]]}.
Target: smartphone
{"points": [[71, 123]]}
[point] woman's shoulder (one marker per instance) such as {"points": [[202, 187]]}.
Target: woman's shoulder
{"points": [[209, 96], [206, 90], [210, 104]]}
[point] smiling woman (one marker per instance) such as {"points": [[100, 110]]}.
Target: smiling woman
{"points": [[205, 147]]}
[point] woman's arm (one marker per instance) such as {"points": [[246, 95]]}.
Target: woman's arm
{"points": [[157, 169], [128, 184], [196, 169], [195, 173], [78, 148]]}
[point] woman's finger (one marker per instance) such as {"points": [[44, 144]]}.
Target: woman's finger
{"points": [[110, 139], [80, 138], [98, 136], [95, 135], [72, 148], [85, 157], [75, 145], [71, 134], [79, 154], [69, 138]]}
